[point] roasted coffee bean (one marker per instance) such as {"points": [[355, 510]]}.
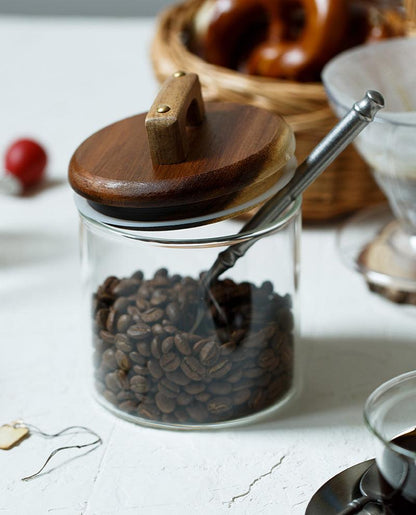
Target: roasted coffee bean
{"points": [[209, 353], [170, 362], [159, 298], [138, 275], [192, 368], [220, 405], [157, 330], [134, 312], [194, 388], [149, 411], [220, 388], [109, 359], [137, 358], [285, 318], [235, 376], [168, 327], [165, 404], [156, 347], [107, 337], [142, 370], [123, 323], [257, 399], [178, 377], [152, 315], [101, 318], [168, 388], [142, 304], [243, 384], [126, 287], [143, 348], [123, 343], [144, 292], [111, 320], [197, 412], [139, 384], [116, 381], [125, 395], [155, 369], [168, 344], [130, 406], [267, 358], [121, 304], [139, 331], [183, 399], [181, 415], [203, 397], [110, 397], [220, 369], [228, 348], [173, 311], [123, 361], [241, 396], [182, 344], [253, 372]]}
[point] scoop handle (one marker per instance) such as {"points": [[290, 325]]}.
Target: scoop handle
{"points": [[346, 130]]}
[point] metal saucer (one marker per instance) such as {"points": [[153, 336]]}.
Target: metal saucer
{"points": [[336, 493]]}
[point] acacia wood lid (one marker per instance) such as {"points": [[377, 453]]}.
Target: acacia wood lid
{"points": [[182, 160]]}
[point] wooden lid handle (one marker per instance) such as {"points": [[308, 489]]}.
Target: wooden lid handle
{"points": [[178, 104]]}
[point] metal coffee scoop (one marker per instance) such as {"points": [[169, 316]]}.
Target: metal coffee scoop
{"points": [[360, 115]]}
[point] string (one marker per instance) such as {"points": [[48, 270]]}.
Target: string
{"points": [[68, 430]]}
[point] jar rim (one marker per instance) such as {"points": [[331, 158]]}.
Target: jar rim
{"points": [[373, 398], [138, 233]]}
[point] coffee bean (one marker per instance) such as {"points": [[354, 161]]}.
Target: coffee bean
{"points": [[285, 318], [220, 369], [194, 388], [253, 372], [170, 362], [120, 305], [129, 406], [149, 411], [142, 304], [181, 415], [168, 388], [209, 353], [165, 404], [220, 405], [101, 318], [173, 311], [107, 337], [125, 395], [243, 384], [138, 275], [156, 347], [152, 315], [267, 358], [241, 397], [157, 330], [192, 368], [203, 397], [110, 397], [168, 344], [135, 314], [126, 287], [182, 344], [116, 381], [183, 399], [159, 298], [137, 358], [168, 327], [109, 359], [197, 412], [122, 360], [228, 348], [235, 376], [178, 377], [220, 388], [123, 343], [123, 323], [139, 384], [257, 400], [139, 331], [155, 369], [142, 370], [143, 348]]}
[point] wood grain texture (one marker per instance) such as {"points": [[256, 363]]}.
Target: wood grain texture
{"points": [[178, 104], [235, 155]]}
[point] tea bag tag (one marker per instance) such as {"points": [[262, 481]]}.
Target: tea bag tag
{"points": [[12, 434]]}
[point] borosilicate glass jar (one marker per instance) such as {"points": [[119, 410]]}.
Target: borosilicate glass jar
{"points": [[166, 352]]}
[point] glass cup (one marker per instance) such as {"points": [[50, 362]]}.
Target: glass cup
{"points": [[390, 415], [153, 363]]}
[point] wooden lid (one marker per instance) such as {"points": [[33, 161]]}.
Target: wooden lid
{"points": [[178, 162]]}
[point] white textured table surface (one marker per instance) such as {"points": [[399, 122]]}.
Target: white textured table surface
{"points": [[61, 80]]}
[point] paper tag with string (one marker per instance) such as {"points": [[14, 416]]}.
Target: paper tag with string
{"points": [[15, 432]]}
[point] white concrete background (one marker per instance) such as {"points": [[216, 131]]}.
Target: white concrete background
{"points": [[61, 80]]}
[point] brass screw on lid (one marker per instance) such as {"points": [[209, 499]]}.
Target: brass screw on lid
{"points": [[179, 73], [163, 108]]}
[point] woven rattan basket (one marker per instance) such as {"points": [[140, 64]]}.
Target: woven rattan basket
{"points": [[345, 186]]}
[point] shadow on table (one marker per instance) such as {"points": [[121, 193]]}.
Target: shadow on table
{"points": [[23, 248], [45, 185], [338, 377]]}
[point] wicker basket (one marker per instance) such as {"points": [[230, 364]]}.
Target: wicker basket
{"points": [[345, 186]]}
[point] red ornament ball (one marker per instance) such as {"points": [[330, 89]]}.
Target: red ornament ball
{"points": [[26, 160]]}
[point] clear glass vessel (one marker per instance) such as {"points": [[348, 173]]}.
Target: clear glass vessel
{"points": [[153, 363]]}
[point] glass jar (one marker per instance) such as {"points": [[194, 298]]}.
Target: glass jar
{"points": [[154, 364]]}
